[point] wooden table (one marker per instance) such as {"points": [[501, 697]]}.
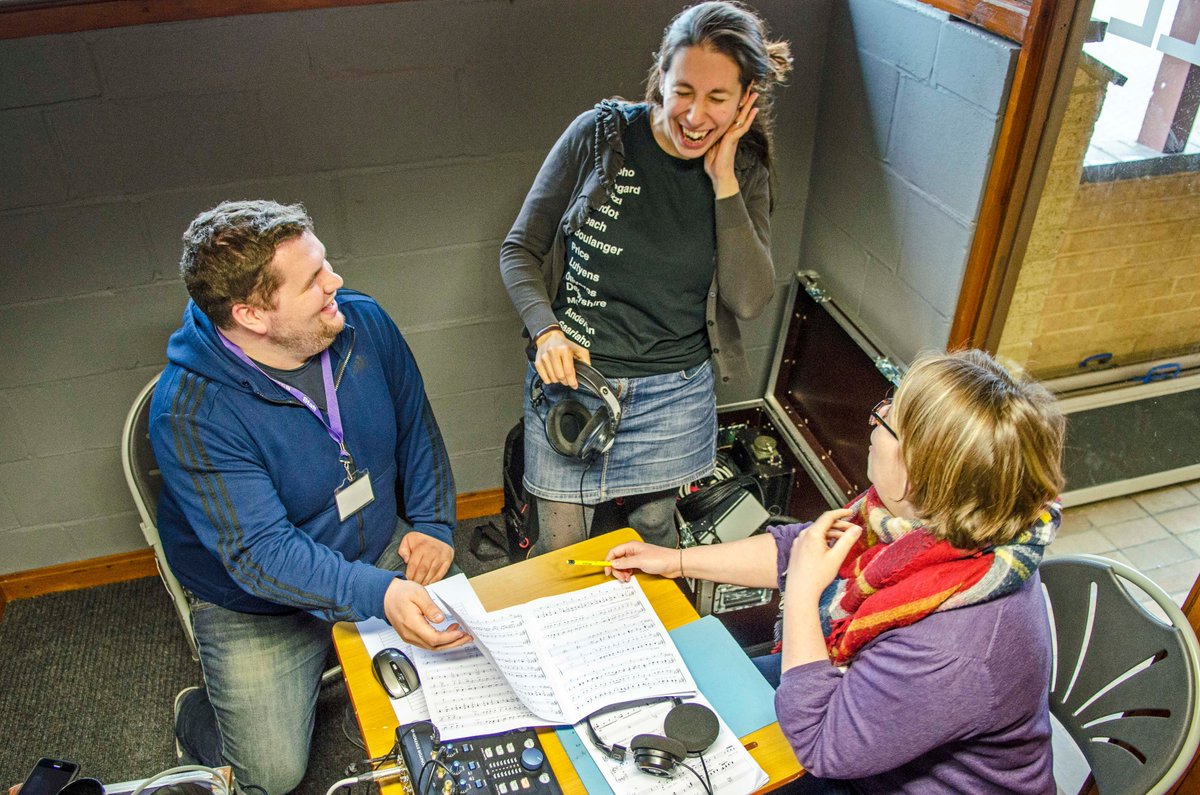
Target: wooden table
{"points": [[545, 575]]}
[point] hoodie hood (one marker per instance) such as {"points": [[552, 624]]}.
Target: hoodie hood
{"points": [[195, 346]]}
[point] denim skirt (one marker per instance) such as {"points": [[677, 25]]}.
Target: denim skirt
{"points": [[667, 437]]}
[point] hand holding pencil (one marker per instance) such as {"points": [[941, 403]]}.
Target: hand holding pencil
{"points": [[625, 559]]}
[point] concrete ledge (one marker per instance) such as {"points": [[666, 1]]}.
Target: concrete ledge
{"points": [[1136, 169]]}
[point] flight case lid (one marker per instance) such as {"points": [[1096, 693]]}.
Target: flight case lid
{"points": [[827, 376]]}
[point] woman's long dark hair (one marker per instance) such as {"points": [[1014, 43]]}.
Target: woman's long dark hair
{"points": [[737, 32]]}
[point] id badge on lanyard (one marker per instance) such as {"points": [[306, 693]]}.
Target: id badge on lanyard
{"points": [[355, 492]]}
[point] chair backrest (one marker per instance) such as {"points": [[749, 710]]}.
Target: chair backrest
{"points": [[137, 456], [145, 482], [1124, 684]]}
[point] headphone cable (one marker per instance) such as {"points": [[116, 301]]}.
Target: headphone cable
{"points": [[690, 769], [583, 522]]}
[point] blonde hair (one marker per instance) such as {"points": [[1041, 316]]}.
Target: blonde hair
{"points": [[983, 447]]}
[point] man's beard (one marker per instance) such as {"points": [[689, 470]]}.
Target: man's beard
{"points": [[306, 343]]}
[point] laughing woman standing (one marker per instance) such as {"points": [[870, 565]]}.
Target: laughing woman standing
{"points": [[643, 240]]}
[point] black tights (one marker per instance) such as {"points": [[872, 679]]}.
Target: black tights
{"points": [[564, 523]]}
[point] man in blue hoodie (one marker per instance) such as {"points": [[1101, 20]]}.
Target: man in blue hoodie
{"points": [[304, 481]]}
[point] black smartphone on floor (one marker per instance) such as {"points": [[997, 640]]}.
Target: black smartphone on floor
{"points": [[49, 776]]}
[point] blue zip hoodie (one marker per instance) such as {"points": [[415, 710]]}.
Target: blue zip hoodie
{"points": [[247, 513]]}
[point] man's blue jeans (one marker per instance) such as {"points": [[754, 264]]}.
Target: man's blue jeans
{"points": [[262, 675]]}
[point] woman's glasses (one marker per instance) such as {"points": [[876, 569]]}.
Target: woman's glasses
{"points": [[876, 417]]}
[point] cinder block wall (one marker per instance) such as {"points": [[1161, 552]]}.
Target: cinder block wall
{"points": [[910, 111], [1111, 267], [410, 130]]}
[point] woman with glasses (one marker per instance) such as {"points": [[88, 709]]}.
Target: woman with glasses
{"points": [[915, 645]]}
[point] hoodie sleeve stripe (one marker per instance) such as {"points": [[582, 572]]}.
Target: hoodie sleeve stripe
{"points": [[442, 476], [221, 513]]}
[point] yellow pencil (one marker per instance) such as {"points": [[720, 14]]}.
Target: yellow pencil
{"points": [[589, 563]]}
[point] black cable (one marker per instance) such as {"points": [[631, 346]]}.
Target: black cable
{"points": [[583, 522], [726, 460], [417, 789], [375, 762], [391, 756], [435, 763], [703, 783], [762, 495], [436, 740], [707, 777], [701, 503], [346, 734]]}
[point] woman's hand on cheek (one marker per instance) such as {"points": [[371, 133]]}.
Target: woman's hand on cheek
{"points": [[818, 553], [718, 160]]}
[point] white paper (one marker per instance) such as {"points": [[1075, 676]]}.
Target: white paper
{"points": [[378, 634], [551, 661], [606, 645], [731, 769], [568, 655]]}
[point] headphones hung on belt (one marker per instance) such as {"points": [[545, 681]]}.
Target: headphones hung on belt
{"points": [[688, 730], [572, 429]]}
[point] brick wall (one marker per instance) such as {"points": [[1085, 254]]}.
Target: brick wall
{"points": [[1111, 267]]}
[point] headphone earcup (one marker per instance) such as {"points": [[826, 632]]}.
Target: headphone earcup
{"points": [[657, 755], [694, 725], [565, 425], [593, 435]]}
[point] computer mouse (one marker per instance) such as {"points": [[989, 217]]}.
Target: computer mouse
{"points": [[395, 672]]}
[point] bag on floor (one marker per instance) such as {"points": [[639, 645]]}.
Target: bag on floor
{"points": [[520, 526]]}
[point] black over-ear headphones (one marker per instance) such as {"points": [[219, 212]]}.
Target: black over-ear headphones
{"points": [[689, 730], [571, 428]]}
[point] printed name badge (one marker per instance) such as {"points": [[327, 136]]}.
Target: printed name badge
{"points": [[354, 495]]}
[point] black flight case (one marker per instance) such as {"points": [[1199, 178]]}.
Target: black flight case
{"points": [[800, 450]]}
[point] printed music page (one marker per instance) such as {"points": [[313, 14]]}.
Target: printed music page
{"points": [[605, 645], [461, 691], [551, 661], [726, 766], [566, 656]]}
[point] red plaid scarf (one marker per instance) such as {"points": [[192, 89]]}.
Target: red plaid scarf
{"points": [[898, 572]]}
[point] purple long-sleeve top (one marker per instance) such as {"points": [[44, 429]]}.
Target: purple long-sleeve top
{"points": [[957, 702]]}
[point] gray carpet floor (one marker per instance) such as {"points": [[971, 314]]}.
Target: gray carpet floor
{"points": [[91, 676]]}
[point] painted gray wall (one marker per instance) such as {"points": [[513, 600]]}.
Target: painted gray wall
{"points": [[910, 110], [411, 131]]}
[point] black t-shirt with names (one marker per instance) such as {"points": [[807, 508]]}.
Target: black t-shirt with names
{"points": [[639, 269]]}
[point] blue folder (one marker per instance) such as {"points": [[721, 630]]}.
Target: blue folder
{"points": [[724, 675]]}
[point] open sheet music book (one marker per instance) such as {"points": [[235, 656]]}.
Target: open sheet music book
{"points": [[550, 661]]}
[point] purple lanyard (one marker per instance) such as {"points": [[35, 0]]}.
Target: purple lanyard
{"points": [[334, 424]]}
